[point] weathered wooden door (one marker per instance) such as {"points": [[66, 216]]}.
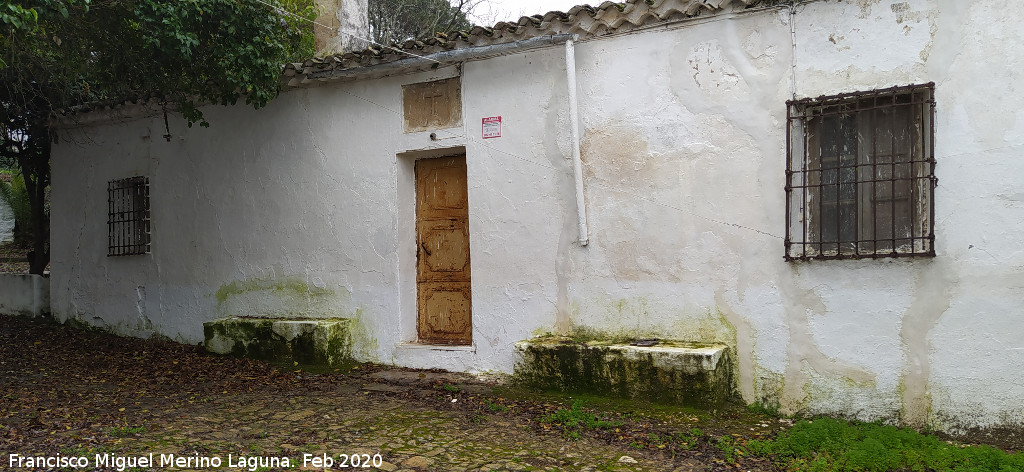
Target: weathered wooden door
{"points": [[442, 238]]}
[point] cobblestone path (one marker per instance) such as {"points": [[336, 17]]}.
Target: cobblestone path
{"points": [[74, 393]]}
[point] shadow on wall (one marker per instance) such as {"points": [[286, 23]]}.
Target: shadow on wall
{"points": [[24, 294]]}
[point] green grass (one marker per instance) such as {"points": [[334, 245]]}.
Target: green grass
{"points": [[829, 445], [496, 407], [689, 439], [729, 448], [763, 409], [125, 431], [572, 420]]}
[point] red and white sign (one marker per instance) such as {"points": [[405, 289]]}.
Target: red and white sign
{"points": [[492, 127]]}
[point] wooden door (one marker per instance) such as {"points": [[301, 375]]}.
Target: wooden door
{"points": [[442, 239]]}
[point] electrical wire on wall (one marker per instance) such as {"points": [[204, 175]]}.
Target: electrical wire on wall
{"points": [[790, 7]]}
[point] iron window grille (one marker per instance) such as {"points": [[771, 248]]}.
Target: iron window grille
{"points": [[128, 221], [860, 175]]}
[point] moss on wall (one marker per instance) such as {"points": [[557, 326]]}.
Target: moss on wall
{"points": [[364, 344], [287, 286], [708, 326], [316, 343], [288, 296]]}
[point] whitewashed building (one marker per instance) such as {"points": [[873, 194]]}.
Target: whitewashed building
{"points": [[6, 223], [834, 189]]}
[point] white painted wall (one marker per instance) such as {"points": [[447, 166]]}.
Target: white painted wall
{"points": [[6, 223], [306, 207], [24, 294], [350, 26]]}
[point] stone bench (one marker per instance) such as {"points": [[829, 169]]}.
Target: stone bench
{"points": [[308, 342], [669, 372]]}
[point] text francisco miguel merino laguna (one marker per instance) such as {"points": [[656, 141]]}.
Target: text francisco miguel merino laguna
{"points": [[195, 461]]}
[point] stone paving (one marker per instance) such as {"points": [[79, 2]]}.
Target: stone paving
{"points": [[409, 424], [75, 393], [407, 434]]}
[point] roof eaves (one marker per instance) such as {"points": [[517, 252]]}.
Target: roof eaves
{"points": [[583, 20]]}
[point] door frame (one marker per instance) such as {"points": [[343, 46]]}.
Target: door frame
{"points": [[407, 258]]}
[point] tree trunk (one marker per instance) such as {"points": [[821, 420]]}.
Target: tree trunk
{"points": [[39, 256]]}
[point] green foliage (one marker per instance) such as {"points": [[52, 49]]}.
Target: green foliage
{"points": [[689, 439], [29, 17], [15, 195], [218, 51], [188, 52], [574, 419], [759, 408], [730, 449], [657, 439], [395, 21], [59, 54], [496, 407], [24, 15], [18, 17], [828, 445]]}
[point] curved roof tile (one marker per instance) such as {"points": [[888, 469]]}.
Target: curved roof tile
{"points": [[584, 20]]}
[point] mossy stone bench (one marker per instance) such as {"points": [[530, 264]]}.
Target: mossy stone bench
{"points": [[670, 372], [310, 342]]}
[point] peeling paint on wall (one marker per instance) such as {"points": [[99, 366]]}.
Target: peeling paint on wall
{"points": [[297, 212], [934, 290]]}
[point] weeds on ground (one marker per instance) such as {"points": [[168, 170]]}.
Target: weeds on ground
{"points": [[574, 419], [125, 431], [689, 439], [496, 407], [829, 445], [759, 408], [730, 448]]}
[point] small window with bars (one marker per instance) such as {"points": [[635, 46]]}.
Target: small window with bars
{"points": [[860, 175], [128, 216]]}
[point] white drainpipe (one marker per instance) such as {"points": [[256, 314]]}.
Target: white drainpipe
{"points": [[574, 130]]}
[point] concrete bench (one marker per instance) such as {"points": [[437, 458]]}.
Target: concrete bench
{"points": [[669, 372]]}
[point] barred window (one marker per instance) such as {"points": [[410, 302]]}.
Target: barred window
{"points": [[128, 216], [860, 175]]}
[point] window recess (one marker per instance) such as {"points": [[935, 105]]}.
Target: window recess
{"points": [[860, 175], [128, 221]]}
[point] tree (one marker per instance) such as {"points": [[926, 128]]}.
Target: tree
{"points": [[15, 196], [57, 54], [395, 21]]}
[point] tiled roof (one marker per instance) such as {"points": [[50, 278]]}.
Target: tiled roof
{"points": [[583, 20]]}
